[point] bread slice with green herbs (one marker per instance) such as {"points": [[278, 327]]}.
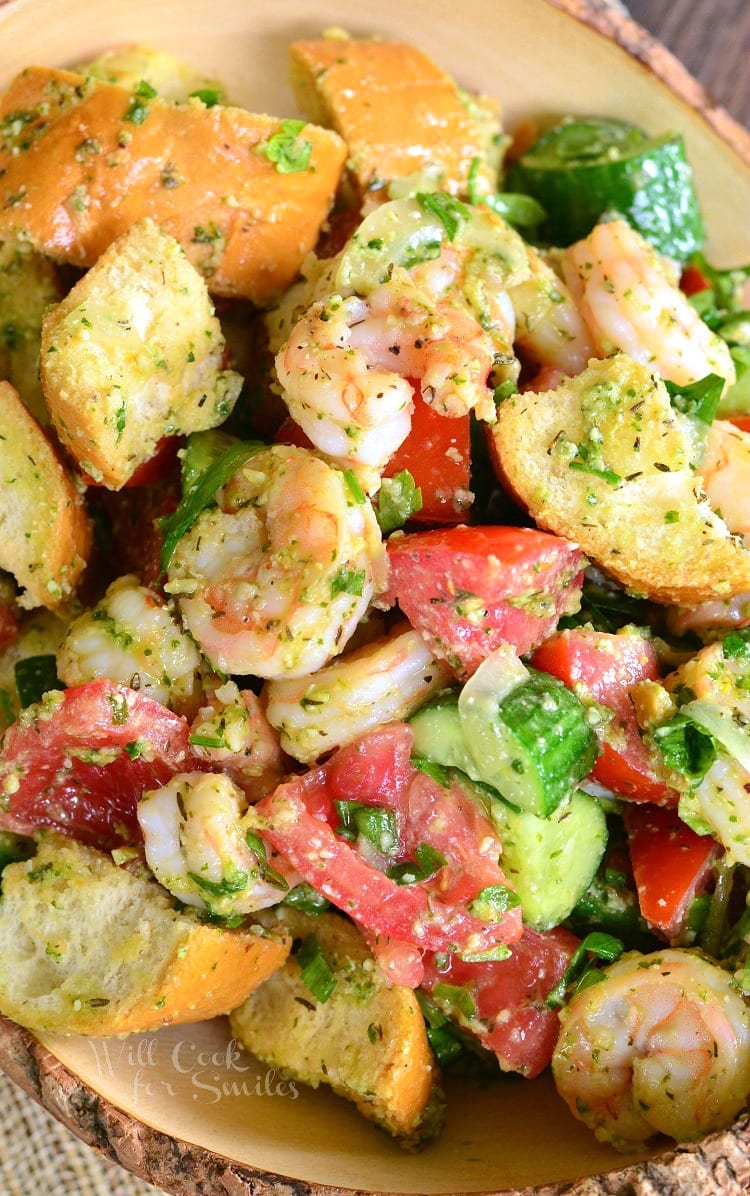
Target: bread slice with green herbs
{"points": [[330, 1017], [45, 533], [90, 948], [28, 287], [605, 461], [132, 354]]}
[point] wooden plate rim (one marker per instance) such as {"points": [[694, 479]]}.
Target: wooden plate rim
{"points": [[717, 1166]]}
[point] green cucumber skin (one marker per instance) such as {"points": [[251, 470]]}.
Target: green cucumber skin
{"points": [[551, 862], [533, 747], [652, 189], [614, 910]]}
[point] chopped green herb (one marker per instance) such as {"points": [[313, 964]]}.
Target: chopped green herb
{"points": [[456, 997], [305, 898], [450, 211], [210, 96], [233, 881], [289, 152], [438, 772], [601, 946], [505, 390], [398, 499], [35, 676], [317, 974], [373, 823], [269, 874], [698, 400], [427, 861], [493, 902], [348, 581], [174, 527], [686, 747], [354, 487]]}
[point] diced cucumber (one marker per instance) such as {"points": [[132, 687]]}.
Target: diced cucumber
{"points": [[550, 862], [439, 736], [582, 169], [528, 734]]}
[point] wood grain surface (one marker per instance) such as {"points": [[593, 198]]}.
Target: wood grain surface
{"points": [[712, 39]]}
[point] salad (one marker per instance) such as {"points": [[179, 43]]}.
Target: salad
{"points": [[375, 620]]}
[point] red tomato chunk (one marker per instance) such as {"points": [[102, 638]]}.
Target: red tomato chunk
{"points": [[432, 914], [604, 667], [470, 589], [511, 1019], [81, 766], [671, 865]]}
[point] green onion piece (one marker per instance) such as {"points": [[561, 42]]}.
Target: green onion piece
{"points": [[686, 747], [493, 902], [174, 527], [426, 863], [289, 152], [698, 400], [450, 211], [522, 211], [305, 898], [35, 676], [207, 741], [317, 974], [505, 390], [606, 475], [398, 499], [602, 946], [456, 997], [373, 823]]}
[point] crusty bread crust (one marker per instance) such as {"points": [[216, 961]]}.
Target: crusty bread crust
{"points": [[45, 533], [604, 461], [89, 948], [397, 111], [132, 354], [367, 1041], [98, 157]]}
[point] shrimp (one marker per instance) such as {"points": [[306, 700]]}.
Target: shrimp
{"points": [[196, 844], [549, 327], [131, 637], [403, 303], [232, 733], [629, 302], [383, 682], [273, 580], [725, 471], [660, 1045]]}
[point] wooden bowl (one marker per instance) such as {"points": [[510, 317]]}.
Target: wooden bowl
{"points": [[183, 1108]]}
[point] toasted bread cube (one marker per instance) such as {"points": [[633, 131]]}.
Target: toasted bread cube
{"points": [[28, 286], [605, 461], [245, 195], [173, 79], [398, 112], [89, 948], [367, 1040], [132, 354], [45, 534]]}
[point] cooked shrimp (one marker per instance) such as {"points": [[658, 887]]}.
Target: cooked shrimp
{"points": [[725, 471], [660, 1045], [196, 845], [549, 327], [403, 301], [627, 298], [232, 732], [131, 637], [383, 682], [273, 580]]}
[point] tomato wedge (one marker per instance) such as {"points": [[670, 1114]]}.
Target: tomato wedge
{"points": [[443, 911], [605, 667], [80, 762], [693, 281], [469, 589], [671, 865], [437, 453], [510, 1017]]}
